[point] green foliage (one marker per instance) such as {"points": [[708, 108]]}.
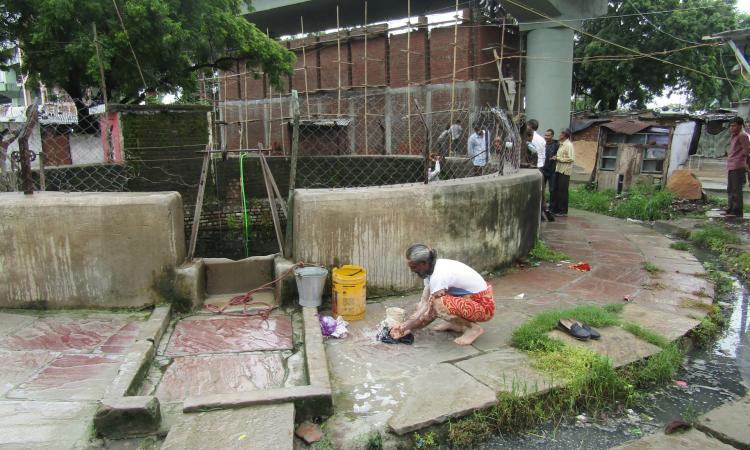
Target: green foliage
{"points": [[646, 335], [643, 202], [541, 252], [426, 441], [709, 329], [374, 441], [173, 43], [633, 80], [651, 268], [714, 237], [741, 264], [680, 245]]}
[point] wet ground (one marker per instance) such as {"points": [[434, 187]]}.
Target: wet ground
{"points": [[713, 377]]}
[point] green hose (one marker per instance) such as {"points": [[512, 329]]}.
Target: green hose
{"points": [[245, 220]]}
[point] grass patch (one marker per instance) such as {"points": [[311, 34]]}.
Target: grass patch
{"points": [[532, 335], [680, 245], [643, 202], [687, 302], [651, 268], [425, 441], [658, 369], [646, 335], [714, 237], [741, 264], [541, 252], [709, 329]]}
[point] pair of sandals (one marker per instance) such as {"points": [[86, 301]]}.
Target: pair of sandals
{"points": [[580, 331]]}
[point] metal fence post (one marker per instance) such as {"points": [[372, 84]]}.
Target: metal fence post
{"points": [[289, 244]]}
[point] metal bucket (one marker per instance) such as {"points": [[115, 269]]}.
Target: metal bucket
{"points": [[310, 284]]}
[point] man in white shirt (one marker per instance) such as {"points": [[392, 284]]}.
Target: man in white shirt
{"points": [[538, 144], [452, 291], [456, 131], [477, 146]]}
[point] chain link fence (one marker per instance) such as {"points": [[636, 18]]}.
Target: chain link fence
{"points": [[65, 148]]}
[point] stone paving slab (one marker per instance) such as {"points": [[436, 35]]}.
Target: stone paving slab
{"points": [[451, 392], [17, 367], [666, 324], [261, 300], [9, 323], [508, 370], [729, 423], [45, 425], [690, 440], [619, 345], [230, 335], [70, 378], [498, 331], [255, 428], [63, 334], [220, 374], [119, 342]]}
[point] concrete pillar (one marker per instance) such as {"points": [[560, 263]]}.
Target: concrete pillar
{"points": [[549, 76]]}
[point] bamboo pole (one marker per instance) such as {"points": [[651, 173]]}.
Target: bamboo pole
{"points": [[367, 150], [500, 65], [304, 65], [408, 72], [338, 61], [281, 123], [453, 77]]}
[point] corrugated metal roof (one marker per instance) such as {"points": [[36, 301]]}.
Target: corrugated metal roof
{"points": [[628, 126]]}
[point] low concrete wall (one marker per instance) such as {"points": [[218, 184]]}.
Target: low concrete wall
{"points": [[485, 222], [89, 250]]}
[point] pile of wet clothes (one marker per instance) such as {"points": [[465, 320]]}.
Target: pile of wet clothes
{"points": [[384, 335]]}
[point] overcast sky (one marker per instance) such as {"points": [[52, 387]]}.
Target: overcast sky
{"points": [[744, 5]]}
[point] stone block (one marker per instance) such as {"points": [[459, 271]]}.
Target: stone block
{"points": [[685, 185], [437, 395], [286, 289], [89, 250], [45, 425], [153, 329], [225, 276], [254, 428], [617, 344], [122, 417], [690, 440], [190, 283], [669, 325], [729, 423], [508, 370], [132, 370]]}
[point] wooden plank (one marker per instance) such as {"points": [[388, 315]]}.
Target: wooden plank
{"points": [[201, 192]]}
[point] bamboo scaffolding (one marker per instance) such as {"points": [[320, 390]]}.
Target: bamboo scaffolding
{"points": [[304, 66], [453, 77], [338, 52], [408, 72], [281, 123], [365, 117]]}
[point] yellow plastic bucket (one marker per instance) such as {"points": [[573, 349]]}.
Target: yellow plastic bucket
{"points": [[349, 292]]}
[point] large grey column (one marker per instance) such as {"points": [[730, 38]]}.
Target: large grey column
{"points": [[549, 77]]}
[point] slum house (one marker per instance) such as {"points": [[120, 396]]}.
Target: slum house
{"points": [[618, 151]]}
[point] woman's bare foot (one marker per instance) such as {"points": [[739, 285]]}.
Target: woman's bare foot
{"points": [[448, 326], [470, 335]]}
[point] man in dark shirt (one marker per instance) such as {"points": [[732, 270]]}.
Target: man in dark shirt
{"points": [[739, 148], [549, 164]]}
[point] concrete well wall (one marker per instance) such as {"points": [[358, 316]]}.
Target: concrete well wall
{"points": [[89, 250], [485, 222]]}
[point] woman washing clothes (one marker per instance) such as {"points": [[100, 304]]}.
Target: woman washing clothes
{"points": [[453, 292]]}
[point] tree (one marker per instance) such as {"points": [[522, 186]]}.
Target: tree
{"points": [[670, 30], [145, 44]]}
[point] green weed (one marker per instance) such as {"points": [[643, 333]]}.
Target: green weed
{"points": [[651, 268], [426, 441], [374, 441], [658, 369], [680, 245], [644, 202], [709, 329], [741, 264], [646, 335], [541, 252], [714, 237]]}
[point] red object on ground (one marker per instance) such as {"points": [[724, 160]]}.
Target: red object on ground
{"points": [[581, 266], [680, 383]]}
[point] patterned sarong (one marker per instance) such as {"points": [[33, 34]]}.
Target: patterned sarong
{"points": [[479, 307]]}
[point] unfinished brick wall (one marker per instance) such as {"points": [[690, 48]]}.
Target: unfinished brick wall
{"points": [[398, 58]]}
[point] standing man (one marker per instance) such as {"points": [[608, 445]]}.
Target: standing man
{"points": [[456, 131], [550, 150], [452, 291], [537, 143], [477, 147], [739, 148], [443, 142], [563, 168]]}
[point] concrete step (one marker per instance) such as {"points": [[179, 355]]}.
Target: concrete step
{"points": [[254, 428], [261, 300], [226, 278]]}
